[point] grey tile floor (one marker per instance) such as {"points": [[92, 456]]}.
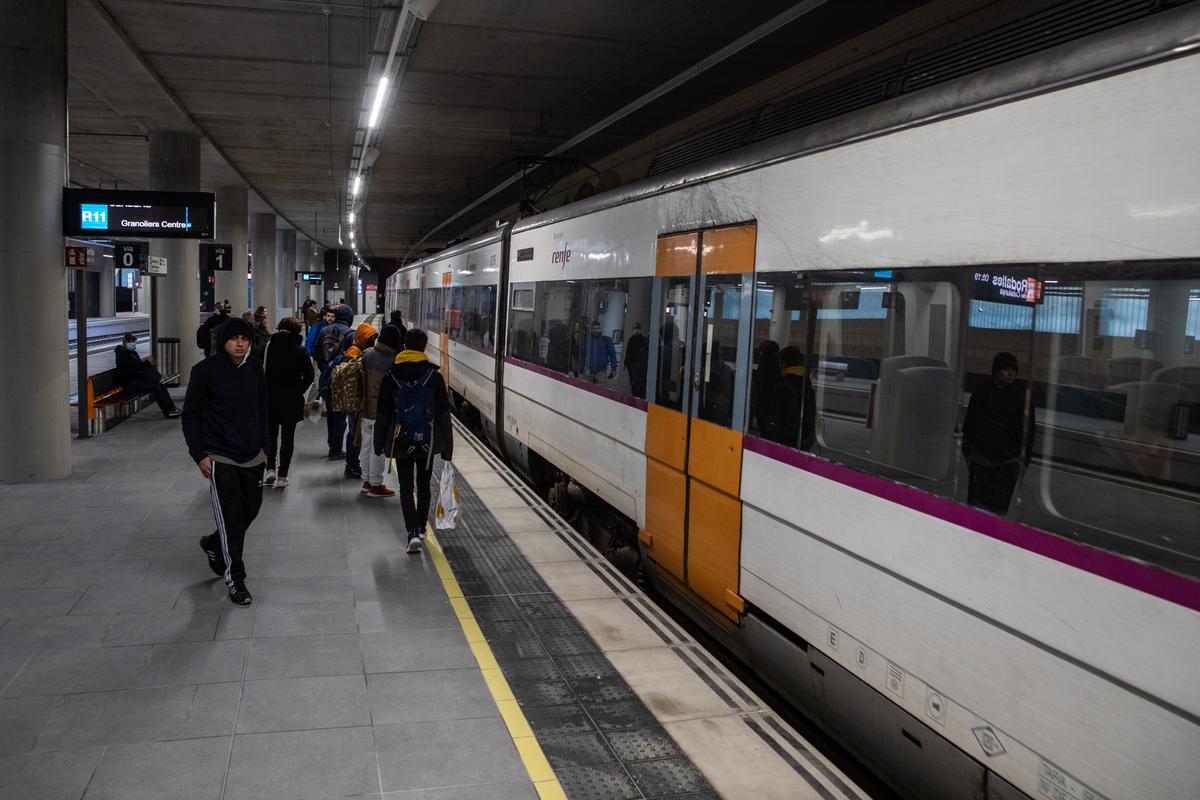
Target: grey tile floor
{"points": [[126, 673]]}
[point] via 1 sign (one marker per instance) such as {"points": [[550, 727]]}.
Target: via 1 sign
{"points": [[216, 257], [128, 255]]}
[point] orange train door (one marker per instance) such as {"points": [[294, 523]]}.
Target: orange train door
{"points": [[703, 298]]}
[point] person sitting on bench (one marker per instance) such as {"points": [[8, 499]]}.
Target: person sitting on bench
{"points": [[140, 375]]}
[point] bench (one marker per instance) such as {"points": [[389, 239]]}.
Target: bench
{"points": [[108, 402]]}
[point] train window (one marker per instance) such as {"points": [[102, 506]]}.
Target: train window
{"points": [[718, 347], [1115, 394], [432, 300], [885, 382], [594, 330], [472, 315], [676, 328], [781, 406]]}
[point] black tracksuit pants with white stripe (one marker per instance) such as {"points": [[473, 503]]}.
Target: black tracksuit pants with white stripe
{"points": [[236, 497]]}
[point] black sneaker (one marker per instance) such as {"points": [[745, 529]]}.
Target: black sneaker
{"points": [[414, 542], [353, 472], [334, 455], [216, 562], [239, 594], [173, 413]]}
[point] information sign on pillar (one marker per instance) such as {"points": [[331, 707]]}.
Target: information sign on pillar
{"points": [[77, 257], [156, 265], [128, 255]]}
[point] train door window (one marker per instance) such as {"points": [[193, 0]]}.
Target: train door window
{"points": [[454, 310], [1111, 453], [718, 348], [675, 329], [523, 335], [781, 402], [479, 316], [433, 300], [886, 378]]}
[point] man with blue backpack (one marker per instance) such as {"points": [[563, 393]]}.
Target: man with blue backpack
{"points": [[413, 425]]}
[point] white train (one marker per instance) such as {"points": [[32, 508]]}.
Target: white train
{"points": [[995, 630]]}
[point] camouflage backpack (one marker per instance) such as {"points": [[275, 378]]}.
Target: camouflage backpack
{"points": [[346, 385]]}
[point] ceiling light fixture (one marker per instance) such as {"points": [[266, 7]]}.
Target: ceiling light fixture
{"points": [[357, 185], [377, 106], [351, 218]]}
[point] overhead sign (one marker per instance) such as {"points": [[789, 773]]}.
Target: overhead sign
{"points": [[128, 255], [216, 257], [312, 277], [77, 257], [1011, 288], [164, 215], [156, 265]]}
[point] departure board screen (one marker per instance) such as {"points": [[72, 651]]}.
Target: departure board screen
{"points": [[152, 215]]}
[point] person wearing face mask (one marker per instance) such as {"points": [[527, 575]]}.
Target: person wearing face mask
{"points": [[225, 425], [140, 375]]}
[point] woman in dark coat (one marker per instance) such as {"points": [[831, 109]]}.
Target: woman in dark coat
{"points": [[289, 374]]}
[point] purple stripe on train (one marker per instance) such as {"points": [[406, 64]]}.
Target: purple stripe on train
{"points": [[1137, 575], [629, 400]]}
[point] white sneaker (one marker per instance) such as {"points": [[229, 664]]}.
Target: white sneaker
{"points": [[268, 478], [281, 482], [414, 543]]}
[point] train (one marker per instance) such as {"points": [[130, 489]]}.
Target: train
{"points": [[764, 363]]}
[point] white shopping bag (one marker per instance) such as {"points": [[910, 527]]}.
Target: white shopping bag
{"points": [[446, 513]]}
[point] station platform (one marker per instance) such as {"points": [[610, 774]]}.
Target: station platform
{"points": [[508, 660]]}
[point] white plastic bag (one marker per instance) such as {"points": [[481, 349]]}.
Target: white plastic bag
{"points": [[446, 513]]}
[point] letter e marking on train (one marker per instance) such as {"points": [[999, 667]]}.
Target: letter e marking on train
{"points": [[989, 741], [833, 638]]}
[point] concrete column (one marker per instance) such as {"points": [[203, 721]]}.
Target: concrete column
{"points": [[232, 218], [285, 274], [262, 246], [108, 299], [35, 431], [175, 167]]}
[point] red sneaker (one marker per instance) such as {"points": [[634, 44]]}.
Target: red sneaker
{"points": [[366, 487], [380, 491]]}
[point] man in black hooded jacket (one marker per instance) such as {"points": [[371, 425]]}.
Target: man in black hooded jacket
{"points": [[225, 425]]}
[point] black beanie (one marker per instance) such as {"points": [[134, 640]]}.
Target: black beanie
{"points": [[234, 326], [392, 336]]}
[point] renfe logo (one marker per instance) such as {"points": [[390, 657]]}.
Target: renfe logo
{"points": [[93, 216], [561, 256]]}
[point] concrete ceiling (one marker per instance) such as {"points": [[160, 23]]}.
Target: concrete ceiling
{"points": [[275, 88]]}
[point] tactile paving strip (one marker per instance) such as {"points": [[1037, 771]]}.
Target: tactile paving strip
{"points": [[600, 739]]}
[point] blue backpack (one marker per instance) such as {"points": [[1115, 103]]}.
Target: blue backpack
{"points": [[412, 416]]}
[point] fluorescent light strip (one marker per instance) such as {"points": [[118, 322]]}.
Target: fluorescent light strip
{"points": [[357, 185], [380, 91]]}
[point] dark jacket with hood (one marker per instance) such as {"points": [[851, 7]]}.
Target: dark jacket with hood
{"points": [[131, 367], [289, 373], [443, 440], [225, 410]]}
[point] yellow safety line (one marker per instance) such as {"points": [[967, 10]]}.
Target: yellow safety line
{"points": [[543, 777]]}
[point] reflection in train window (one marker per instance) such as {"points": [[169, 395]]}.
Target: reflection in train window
{"points": [[1117, 396], [594, 330], [470, 315], [673, 334], [781, 394], [1066, 397], [886, 381], [432, 300]]}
